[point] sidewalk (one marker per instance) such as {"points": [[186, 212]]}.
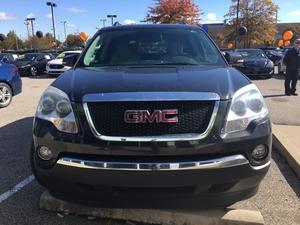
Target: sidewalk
{"points": [[286, 139]]}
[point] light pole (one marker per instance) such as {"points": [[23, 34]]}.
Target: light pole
{"points": [[103, 21], [112, 18], [237, 21], [27, 24], [32, 30], [31, 21], [65, 22], [52, 4]]}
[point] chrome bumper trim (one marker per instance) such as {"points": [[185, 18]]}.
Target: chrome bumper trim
{"points": [[152, 96], [223, 162]]}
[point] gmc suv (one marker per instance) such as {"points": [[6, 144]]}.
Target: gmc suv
{"points": [[151, 116]]}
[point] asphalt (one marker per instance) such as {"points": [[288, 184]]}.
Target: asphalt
{"points": [[284, 110], [277, 199]]}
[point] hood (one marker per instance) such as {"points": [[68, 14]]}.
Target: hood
{"points": [[79, 82], [259, 63], [20, 63], [56, 61]]}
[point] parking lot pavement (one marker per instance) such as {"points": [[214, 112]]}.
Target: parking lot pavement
{"points": [[284, 110], [277, 199]]}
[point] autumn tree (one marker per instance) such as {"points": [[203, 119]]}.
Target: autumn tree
{"points": [[11, 42], [74, 40], [174, 11], [219, 39], [259, 16]]}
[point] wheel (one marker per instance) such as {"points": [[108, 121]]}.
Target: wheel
{"points": [[5, 95], [33, 71]]}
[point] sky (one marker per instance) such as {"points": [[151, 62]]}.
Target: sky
{"points": [[88, 15]]}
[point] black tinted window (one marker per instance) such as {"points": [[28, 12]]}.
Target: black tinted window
{"points": [[152, 47]]}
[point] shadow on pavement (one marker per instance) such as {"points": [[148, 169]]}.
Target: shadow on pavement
{"points": [[15, 139], [279, 77], [42, 76], [274, 96], [287, 172]]}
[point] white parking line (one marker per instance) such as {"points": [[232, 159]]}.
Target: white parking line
{"points": [[16, 188]]}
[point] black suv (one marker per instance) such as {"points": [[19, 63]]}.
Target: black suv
{"points": [[151, 116]]}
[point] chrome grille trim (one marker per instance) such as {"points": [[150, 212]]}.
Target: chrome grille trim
{"points": [[151, 96]]}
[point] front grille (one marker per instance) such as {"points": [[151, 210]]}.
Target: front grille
{"points": [[108, 118], [56, 66]]}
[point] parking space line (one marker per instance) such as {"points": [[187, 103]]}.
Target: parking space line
{"points": [[16, 188]]}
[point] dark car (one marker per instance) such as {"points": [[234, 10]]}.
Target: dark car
{"points": [[274, 55], [256, 63], [10, 83], [8, 57], [32, 64], [151, 116]]}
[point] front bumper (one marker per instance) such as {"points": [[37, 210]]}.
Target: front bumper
{"points": [[94, 172], [16, 84], [257, 71]]}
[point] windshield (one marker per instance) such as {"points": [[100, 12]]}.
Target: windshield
{"points": [[64, 54], [152, 47], [28, 57], [252, 54]]}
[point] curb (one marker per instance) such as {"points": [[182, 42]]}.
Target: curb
{"points": [[283, 142], [155, 216]]}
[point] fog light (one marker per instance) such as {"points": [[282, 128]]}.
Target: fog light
{"points": [[45, 153], [259, 152]]}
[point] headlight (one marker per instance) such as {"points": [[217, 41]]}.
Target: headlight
{"points": [[269, 64], [56, 107], [247, 105]]}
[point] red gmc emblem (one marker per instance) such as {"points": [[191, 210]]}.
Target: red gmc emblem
{"points": [[144, 116]]}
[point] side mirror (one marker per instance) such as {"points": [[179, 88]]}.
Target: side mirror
{"points": [[70, 60], [234, 58]]}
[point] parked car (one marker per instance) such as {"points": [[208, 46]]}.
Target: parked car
{"points": [[151, 116], [55, 67], [10, 83], [32, 64], [256, 63], [274, 54], [8, 57]]}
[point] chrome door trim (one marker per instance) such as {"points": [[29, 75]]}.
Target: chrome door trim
{"points": [[218, 163]]}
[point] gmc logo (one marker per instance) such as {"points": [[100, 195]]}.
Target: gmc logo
{"points": [[144, 116]]}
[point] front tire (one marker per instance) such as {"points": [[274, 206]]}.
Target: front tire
{"points": [[5, 95], [33, 71]]}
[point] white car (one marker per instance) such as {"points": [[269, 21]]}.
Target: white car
{"points": [[56, 67]]}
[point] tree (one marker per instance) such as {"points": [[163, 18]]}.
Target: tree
{"points": [[11, 42], [174, 11], [259, 16], [74, 41], [49, 36], [219, 39]]}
